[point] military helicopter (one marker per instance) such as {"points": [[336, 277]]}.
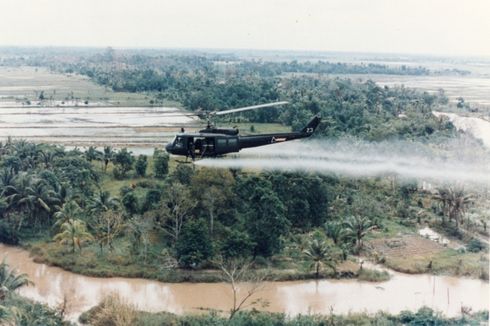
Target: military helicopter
{"points": [[213, 141]]}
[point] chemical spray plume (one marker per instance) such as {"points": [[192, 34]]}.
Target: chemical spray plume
{"points": [[459, 161]]}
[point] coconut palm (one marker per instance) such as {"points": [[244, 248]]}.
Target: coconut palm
{"points": [[319, 252], [31, 195], [103, 202], [28, 153], [335, 231], [7, 178], [92, 154], [107, 156], [357, 227], [48, 155], [69, 211], [10, 280], [454, 203], [44, 199], [75, 232]]}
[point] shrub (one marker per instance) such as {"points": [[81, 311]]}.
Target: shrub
{"points": [[8, 233], [475, 245], [141, 164], [160, 163], [372, 275]]}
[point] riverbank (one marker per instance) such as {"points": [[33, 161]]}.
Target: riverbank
{"points": [[389, 249], [119, 264], [112, 306], [53, 286]]}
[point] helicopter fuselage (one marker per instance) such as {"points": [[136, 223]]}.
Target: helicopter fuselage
{"points": [[217, 142]]}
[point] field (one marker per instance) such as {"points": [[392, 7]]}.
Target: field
{"points": [[427, 256], [21, 84]]}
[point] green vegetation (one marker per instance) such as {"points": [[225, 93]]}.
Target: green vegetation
{"points": [[112, 309], [15, 310], [73, 211], [372, 275], [110, 213]]}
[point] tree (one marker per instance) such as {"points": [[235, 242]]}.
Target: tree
{"points": [[160, 163], [194, 245], [176, 208], [319, 252], [10, 280], [335, 231], [213, 191], [141, 164], [357, 227], [138, 230], [74, 232], [236, 244], [183, 173], [454, 203], [264, 215], [69, 211], [107, 156], [102, 202], [92, 154], [30, 195], [130, 202], [123, 163], [106, 226], [238, 273]]}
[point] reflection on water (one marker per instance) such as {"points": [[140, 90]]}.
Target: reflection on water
{"points": [[403, 291]]}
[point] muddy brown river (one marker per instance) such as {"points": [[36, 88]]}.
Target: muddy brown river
{"points": [[443, 293]]}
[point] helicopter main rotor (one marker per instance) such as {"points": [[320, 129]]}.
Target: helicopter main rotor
{"points": [[209, 115]]}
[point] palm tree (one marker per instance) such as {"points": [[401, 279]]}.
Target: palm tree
{"points": [[454, 203], [10, 280], [107, 156], [28, 153], [335, 231], [69, 211], [102, 202], [74, 232], [44, 198], [319, 252], [358, 227], [92, 154], [30, 194], [7, 178], [47, 156]]}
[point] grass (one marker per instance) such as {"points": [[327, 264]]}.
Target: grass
{"points": [[26, 83], [113, 308], [392, 245], [446, 262], [372, 275], [120, 263]]}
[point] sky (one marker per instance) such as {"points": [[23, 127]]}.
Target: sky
{"points": [[437, 27]]}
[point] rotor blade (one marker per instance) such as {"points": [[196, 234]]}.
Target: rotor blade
{"points": [[253, 107]]}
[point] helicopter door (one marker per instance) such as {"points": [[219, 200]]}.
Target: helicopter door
{"points": [[208, 147]]}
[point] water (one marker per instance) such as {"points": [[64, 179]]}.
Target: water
{"points": [[444, 293], [143, 127]]}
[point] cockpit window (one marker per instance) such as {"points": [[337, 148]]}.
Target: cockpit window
{"points": [[179, 142]]}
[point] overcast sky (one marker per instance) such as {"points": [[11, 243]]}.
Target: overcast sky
{"points": [[446, 27]]}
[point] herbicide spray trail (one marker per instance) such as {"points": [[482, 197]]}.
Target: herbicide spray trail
{"points": [[459, 161]]}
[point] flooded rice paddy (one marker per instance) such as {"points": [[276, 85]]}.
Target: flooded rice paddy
{"points": [[145, 127]]}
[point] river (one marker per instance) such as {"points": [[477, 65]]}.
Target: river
{"points": [[444, 293]]}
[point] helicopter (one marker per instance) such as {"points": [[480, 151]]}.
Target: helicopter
{"points": [[214, 142]]}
